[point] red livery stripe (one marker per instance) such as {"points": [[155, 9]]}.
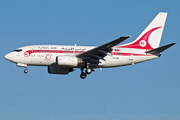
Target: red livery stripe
{"points": [[29, 52]]}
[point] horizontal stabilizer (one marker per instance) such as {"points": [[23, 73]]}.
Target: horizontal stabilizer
{"points": [[160, 49]]}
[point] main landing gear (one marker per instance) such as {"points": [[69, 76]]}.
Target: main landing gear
{"points": [[88, 71], [84, 74]]}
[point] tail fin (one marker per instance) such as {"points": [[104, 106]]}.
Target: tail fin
{"points": [[151, 36]]}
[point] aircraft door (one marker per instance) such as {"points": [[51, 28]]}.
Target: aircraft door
{"points": [[33, 53], [131, 57]]}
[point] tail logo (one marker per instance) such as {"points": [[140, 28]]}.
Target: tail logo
{"points": [[142, 43]]}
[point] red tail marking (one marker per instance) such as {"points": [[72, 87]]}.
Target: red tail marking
{"points": [[142, 43]]}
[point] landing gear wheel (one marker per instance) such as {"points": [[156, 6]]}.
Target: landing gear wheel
{"points": [[26, 71], [83, 75], [88, 71]]}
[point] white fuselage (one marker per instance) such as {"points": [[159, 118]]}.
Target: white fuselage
{"points": [[45, 55], [62, 59]]}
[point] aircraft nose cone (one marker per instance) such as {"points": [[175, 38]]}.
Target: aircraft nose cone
{"points": [[7, 56]]}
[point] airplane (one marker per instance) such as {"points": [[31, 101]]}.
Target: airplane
{"points": [[62, 59]]}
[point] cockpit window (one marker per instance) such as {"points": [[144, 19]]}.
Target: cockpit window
{"points": [[17, 50]]}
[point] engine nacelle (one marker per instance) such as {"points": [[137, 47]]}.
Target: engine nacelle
{"points": [[67, 60], [59, 70]]}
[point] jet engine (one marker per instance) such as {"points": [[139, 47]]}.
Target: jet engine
{"points": [[67, 61], [59, 70]]}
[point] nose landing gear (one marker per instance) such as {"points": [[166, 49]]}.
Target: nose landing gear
{"points": [[23, 65], [26, 71]]}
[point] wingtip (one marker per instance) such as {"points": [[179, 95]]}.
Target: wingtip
{"points": [[173, 43], [127, 36], [163, 13]]}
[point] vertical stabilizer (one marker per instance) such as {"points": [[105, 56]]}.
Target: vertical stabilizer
{"points": [[151, 36]]}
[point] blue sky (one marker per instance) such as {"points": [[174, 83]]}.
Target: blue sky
{"points": [[144, 91]]}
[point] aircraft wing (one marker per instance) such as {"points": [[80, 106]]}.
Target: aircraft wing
{"points": [[100, 52]]}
